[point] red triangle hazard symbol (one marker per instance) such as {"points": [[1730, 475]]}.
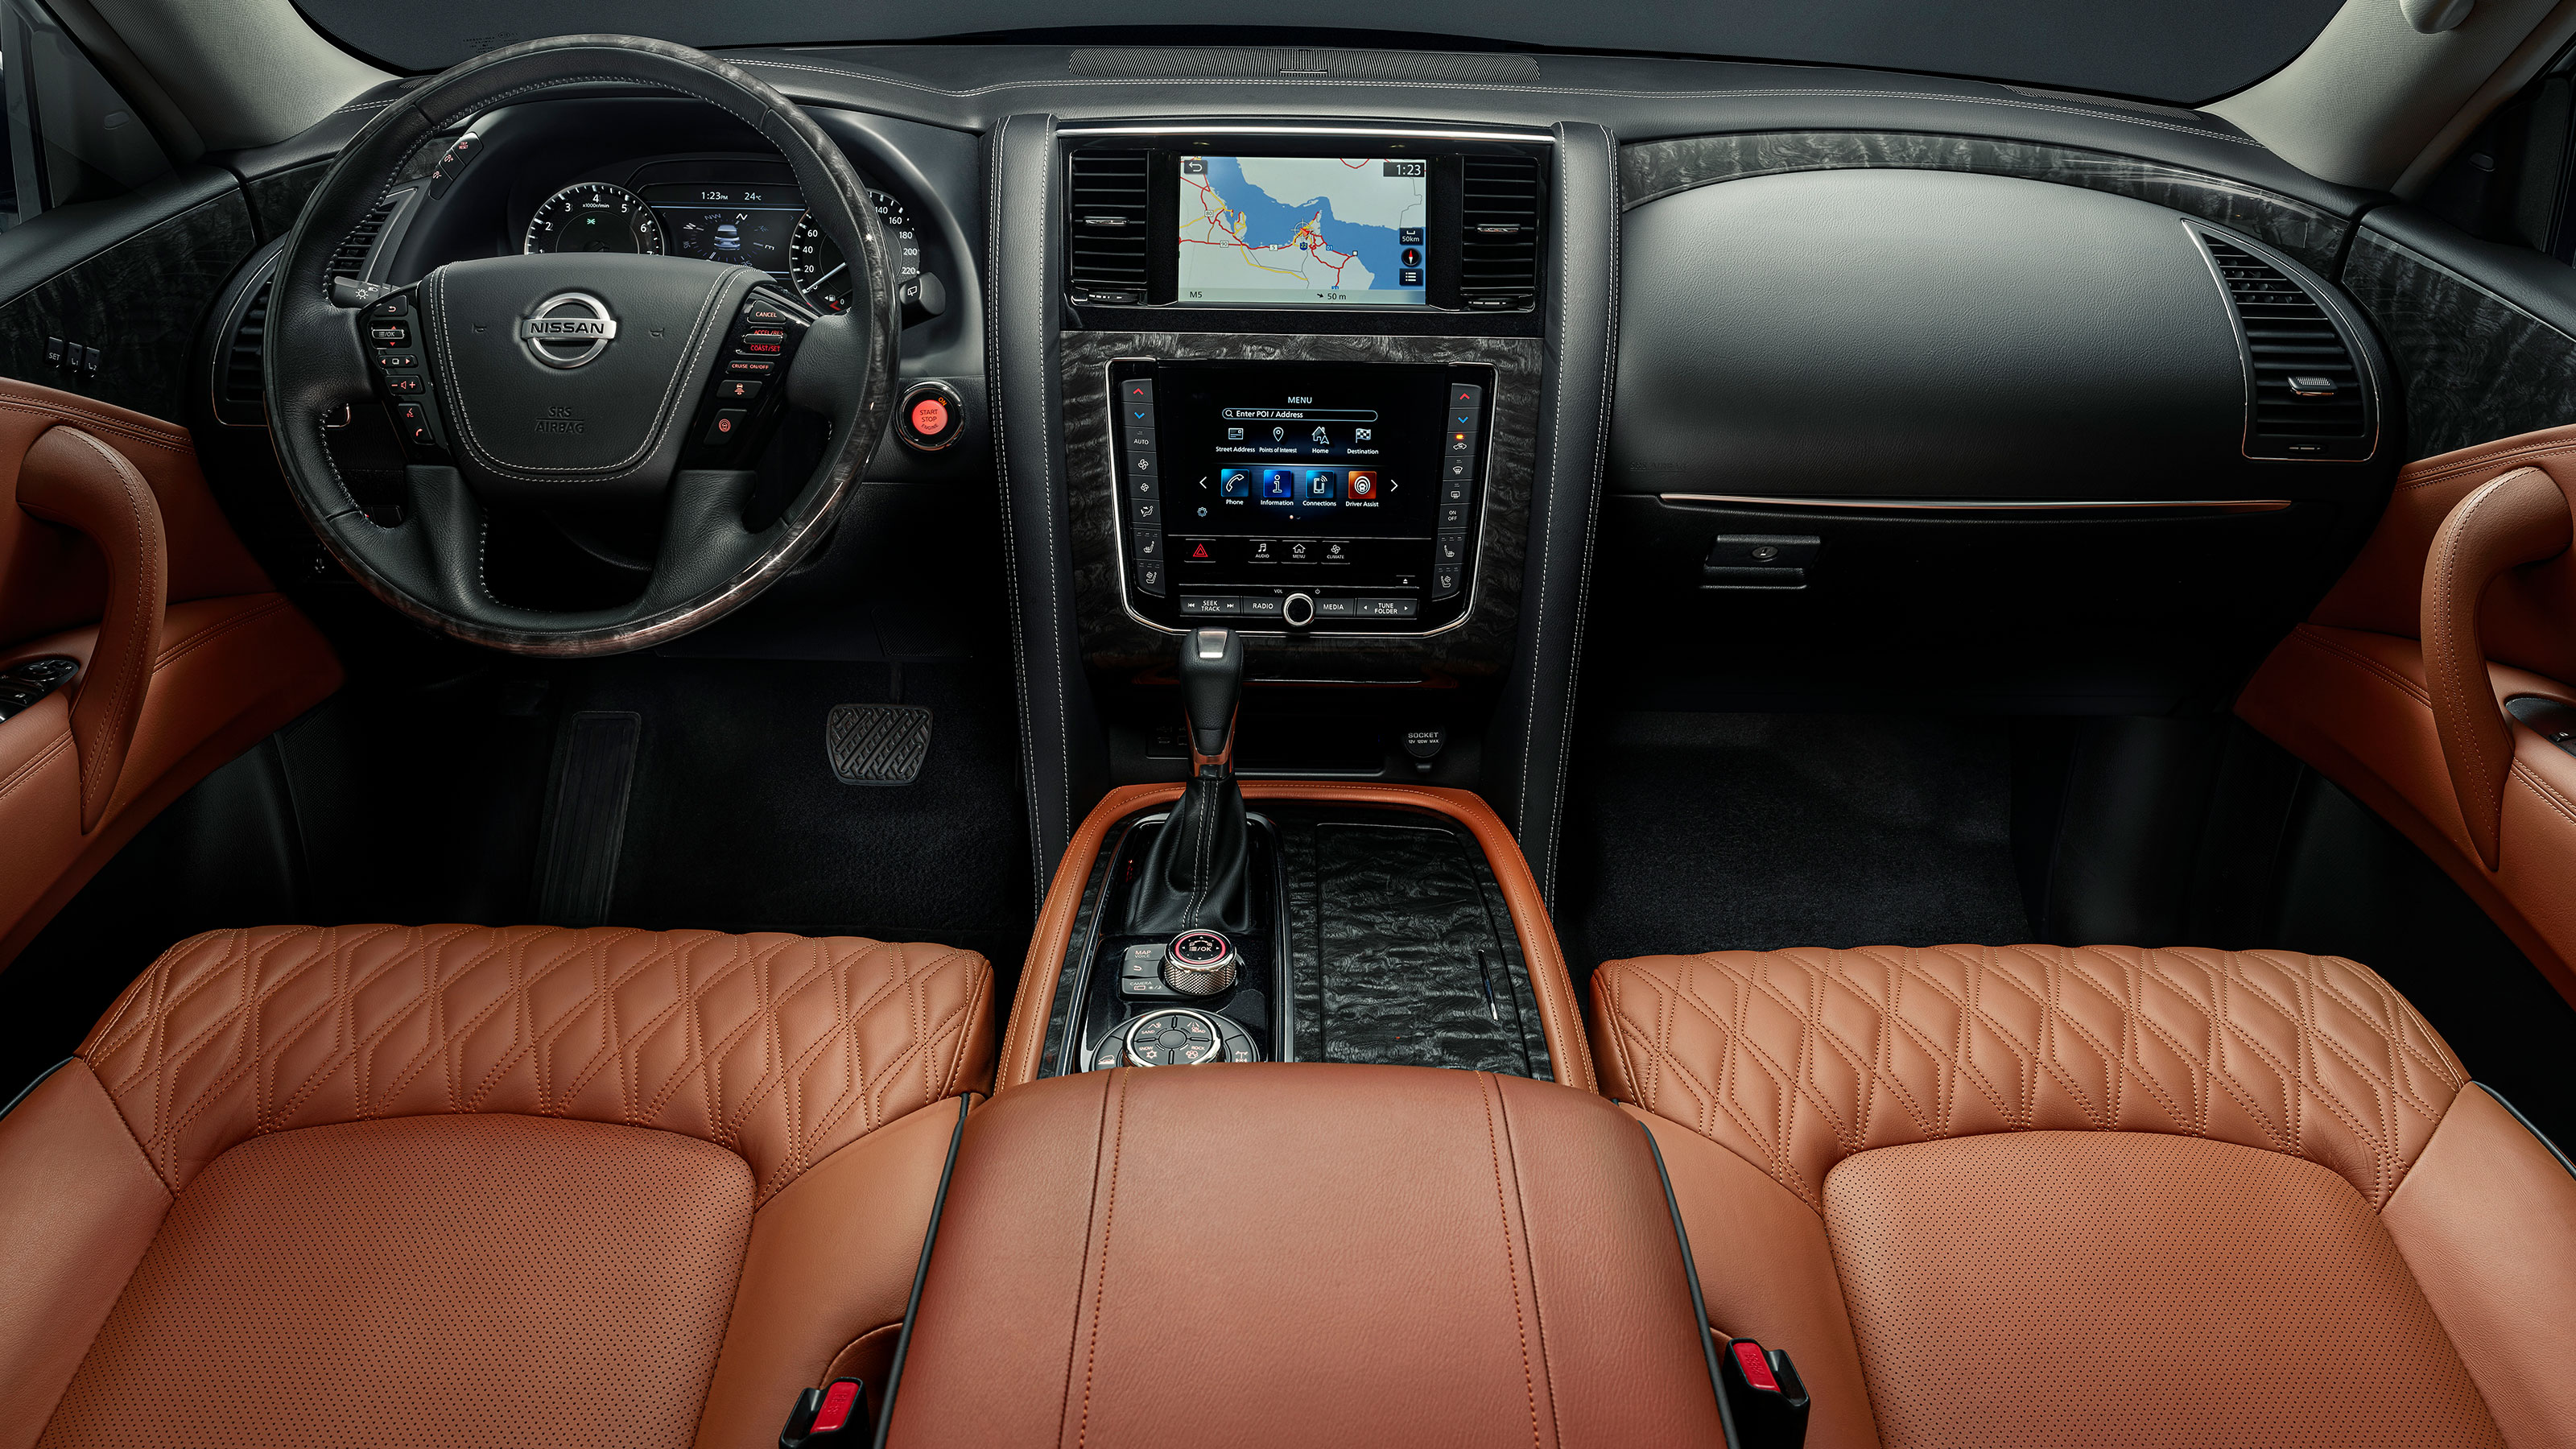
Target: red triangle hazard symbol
{"points": [[1199, 552]]}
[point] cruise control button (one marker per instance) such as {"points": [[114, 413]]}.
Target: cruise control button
{"points": [[750, 367], [761, 314], [727, 425]]}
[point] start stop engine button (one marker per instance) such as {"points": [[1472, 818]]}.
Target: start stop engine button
{"points": [[930, 417]]}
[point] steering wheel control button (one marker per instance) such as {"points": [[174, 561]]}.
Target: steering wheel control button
{"points": [[1200, 962], [727, 427], [1175, 1036], [930, 416], [737, 390], [747, 367]]}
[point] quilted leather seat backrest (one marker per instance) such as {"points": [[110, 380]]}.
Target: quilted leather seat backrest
{"points": [[780, 1048], [1798, 1059]]}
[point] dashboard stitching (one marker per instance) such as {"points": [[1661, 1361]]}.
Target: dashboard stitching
{"points": [[632, 461], [1010, 535], [1767, 92], [1591, 520]]}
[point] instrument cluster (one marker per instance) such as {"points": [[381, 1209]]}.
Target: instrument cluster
{"points": [[718, 213]]}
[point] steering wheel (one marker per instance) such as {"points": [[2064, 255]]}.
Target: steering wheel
{"points": [[576, 380]]}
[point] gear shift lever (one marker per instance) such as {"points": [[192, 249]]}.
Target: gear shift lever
{"points": [[1211, 690], [1197, 872]]}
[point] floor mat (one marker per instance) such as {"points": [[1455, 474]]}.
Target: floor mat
{"points": [[1706, 832]]}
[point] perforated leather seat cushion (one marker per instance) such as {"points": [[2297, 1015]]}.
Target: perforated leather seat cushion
{"points": [[459, 1185], [2043, 1195]]}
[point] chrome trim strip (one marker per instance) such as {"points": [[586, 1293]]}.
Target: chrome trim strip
{"points": [[1240, 130], [1980, 505]]}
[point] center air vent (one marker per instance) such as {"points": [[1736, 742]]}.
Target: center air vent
{"points": [[2311, 398], [1104, 227], [1498, 236]]}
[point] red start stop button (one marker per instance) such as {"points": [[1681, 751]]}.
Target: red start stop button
{"points": [[930, 417]]}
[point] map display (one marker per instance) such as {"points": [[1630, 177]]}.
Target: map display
{"points": [[1302, 231]]}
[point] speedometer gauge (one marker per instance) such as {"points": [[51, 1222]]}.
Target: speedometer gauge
{"points": [[823, 274], [594, 217]]}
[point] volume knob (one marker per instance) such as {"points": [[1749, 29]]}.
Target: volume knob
{"points": [[1200, 962]]}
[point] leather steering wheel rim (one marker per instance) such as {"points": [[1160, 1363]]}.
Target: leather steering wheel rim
{"points": [[429, 567]]}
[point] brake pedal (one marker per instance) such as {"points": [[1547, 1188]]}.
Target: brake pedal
{"points": [[877, 744]]}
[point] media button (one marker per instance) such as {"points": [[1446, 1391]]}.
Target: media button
{"points": [[1323, 483], [1337, 608], [1234, 483]]}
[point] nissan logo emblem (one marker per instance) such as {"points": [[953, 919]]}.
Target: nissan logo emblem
{"points": [[568, 329]]}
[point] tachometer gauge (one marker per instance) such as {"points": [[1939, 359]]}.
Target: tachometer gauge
{"points": [[594, 217], [823, 274]]}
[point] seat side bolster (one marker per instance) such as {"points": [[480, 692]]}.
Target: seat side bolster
{"points": [[2487, 1223], [79, 1204], [830, 1263], [1768, 1273]]}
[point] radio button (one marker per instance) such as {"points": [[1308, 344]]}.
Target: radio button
{"points": [[1261, 604]]}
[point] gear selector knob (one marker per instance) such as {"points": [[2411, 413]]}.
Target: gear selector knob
{"points": [[1211, 669]]}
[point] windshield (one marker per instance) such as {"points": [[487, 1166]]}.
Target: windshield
{"points": [[2180, 51]]}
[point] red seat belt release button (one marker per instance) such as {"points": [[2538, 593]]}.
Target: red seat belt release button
{"points": [[1764, 1396], [830, 1417]]}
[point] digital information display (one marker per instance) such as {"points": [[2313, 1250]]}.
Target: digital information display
{"points": [[718, 222], [1303, 231]]}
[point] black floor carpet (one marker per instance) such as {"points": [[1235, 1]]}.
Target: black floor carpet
{"points": [[1755, 832]]}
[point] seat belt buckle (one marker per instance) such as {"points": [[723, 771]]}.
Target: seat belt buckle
{"points": [[1764, 1395], [834, 1416]]}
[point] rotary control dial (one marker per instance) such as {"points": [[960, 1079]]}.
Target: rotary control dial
{"points": [[1174, 1037], [1199, 963]]}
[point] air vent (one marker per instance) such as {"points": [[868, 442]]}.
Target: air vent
{"points": [[241, 396], [1104, 227], [2310, 396], [350, 260], [1498, 234]]}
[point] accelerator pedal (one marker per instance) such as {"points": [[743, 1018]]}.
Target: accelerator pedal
{"points": [[877, 744]]}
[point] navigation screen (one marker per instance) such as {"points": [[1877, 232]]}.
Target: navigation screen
{"points": [[1303, 231]]}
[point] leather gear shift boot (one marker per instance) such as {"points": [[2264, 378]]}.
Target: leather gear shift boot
{"points": [[1198, 870]]}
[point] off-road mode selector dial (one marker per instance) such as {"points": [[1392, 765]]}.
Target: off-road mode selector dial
{"points": [[1174, 1037]]}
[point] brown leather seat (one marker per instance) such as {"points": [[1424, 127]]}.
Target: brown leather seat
{"points": [[2037, 1195], [465, 1185]]}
